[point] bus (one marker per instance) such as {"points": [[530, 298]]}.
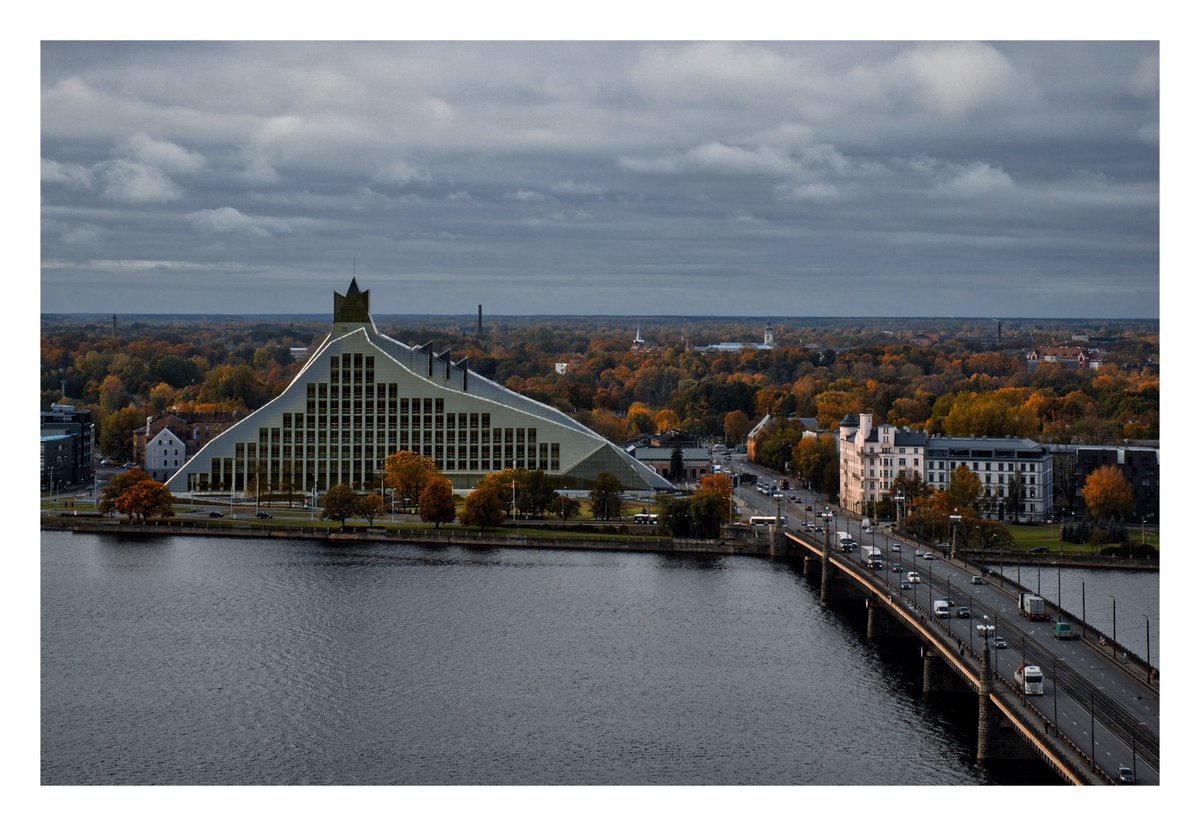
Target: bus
{"points": [[645, 519], [768, 520]]}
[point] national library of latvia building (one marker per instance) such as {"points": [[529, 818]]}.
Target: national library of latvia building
{"points": [[363, 396]]}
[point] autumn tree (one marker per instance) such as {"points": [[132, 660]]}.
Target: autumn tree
{"points": [[963, 489], [483, 509], [665, 420], [119, 485], [707, 510], [815, 462], [407, 473], [145, 498], [436, 503], [340, 502], [719, 485], [737, 425], [606, 496], [370, 506], [1107, 495], [116, 432], [640, 419]]}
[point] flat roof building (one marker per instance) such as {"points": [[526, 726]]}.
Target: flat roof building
{"points": [[363, 396]]}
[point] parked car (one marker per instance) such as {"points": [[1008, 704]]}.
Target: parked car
{"points": [[263, 515], [964, 612]]}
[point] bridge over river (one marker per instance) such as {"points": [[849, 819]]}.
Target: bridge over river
{"points": [[1097, 713]]}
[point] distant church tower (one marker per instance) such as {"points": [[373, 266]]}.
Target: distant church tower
{"points": [[638, 342], [768, 336]]}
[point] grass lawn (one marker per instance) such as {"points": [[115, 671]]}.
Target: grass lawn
{"points": [[1048, 536]]}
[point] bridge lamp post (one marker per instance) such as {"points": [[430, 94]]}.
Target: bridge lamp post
{"points": [[1054, 677], [1092, 725], [1148, 668], [898, 501], [986, 631], [1114, 624], [955, 518]]}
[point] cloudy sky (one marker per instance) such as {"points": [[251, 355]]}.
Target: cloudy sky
{"points": [[786, 179]]}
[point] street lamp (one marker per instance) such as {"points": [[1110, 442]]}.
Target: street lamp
{"points": [[899, 502], [1114, 624], [955, 518], [1149, 670]]}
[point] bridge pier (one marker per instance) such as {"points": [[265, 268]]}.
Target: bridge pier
{"points": [[936, 676], [880, 623], [826, 578]]}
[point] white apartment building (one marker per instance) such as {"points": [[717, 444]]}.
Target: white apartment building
{"points": [[996, 462], [165, 454], [870, 458]]}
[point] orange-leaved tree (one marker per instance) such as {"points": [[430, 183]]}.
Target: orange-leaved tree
{"points": [[408, 473], [145, 499], [1107, 494], [436, 503], [483, 508]]}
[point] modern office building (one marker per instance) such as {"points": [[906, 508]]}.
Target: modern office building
{"points": [[66, 420], [363, 396]]}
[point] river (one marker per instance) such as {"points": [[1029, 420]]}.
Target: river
{"points": [[184, 660]]}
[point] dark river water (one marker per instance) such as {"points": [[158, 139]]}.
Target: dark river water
{"points": [[208, 661]]}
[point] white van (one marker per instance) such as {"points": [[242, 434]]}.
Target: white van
{"points": [[914, 577]]}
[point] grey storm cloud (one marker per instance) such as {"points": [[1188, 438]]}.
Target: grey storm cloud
{"points": [[717, 178]]}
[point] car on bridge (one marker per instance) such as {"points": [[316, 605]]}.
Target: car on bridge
{"points": [[999, 642], [896, 568], [1126, 775], [964, 612], [905, 586], [914, 577], [976, 580], [896, 547], [927, 555]]}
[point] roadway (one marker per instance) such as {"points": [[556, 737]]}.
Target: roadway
{"points": [[1097, 703]]}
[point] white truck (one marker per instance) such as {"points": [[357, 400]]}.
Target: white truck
{"points": [[1032, 606], [845, 542], [1029, 679], [871, 556], [941, 609]]}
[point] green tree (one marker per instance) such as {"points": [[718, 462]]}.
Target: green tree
{"points": [[483, 509], [436, 503], [565, 507], [707, 510], [606, 496], [340, 502], [370, 506]]}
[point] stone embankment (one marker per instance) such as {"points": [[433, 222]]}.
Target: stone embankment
{"points": [[458, 536]]}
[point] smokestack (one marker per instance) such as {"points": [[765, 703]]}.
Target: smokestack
{"points": [[479, 327]]}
